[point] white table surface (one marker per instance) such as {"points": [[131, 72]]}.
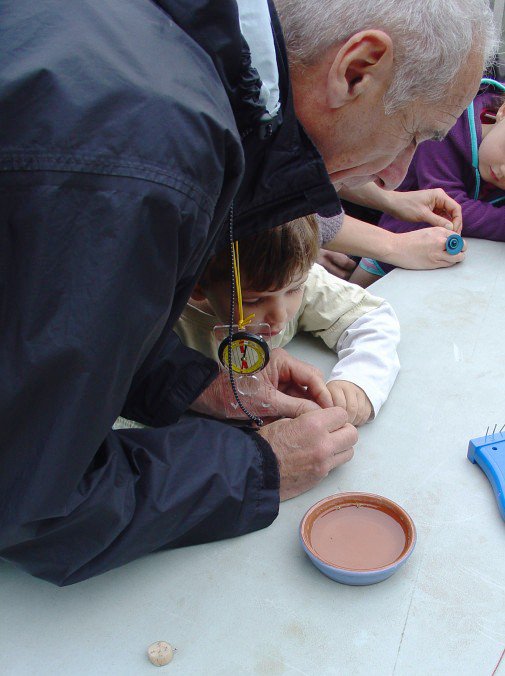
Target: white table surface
{"points": [[256, 605]]}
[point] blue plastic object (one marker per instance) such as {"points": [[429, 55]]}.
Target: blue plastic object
{"points": [[454, 244], [489, 453]]}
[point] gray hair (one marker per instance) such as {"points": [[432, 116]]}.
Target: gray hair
{"points": [[432, 38]]}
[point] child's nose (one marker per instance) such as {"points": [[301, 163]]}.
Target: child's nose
{"points": [[276, 314]]}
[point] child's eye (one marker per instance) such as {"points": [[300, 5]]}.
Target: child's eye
{"points": [[252, 301], [296, 289]]}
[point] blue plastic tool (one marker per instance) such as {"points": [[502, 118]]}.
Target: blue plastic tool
{"points": [[454, 244], [489, 453]]}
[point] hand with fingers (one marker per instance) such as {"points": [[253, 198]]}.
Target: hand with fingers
{"points": [[351, 398], [424, 249], [432, 206], [309, 447], [290, 387], [338, 264], [300, 386]]}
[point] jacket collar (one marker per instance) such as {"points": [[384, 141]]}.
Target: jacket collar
{"points": [[284, 177], [215, 26]]}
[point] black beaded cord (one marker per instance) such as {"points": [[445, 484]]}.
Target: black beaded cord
{"points": [[250, 415]]}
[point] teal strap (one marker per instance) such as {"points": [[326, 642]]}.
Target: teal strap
{"points": [[497, 200], [475, 148], [495, 83], [473, 138]]}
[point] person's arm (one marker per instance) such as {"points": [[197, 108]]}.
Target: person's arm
{"points": [[81, 312], [432, 206], [338, 264], [358, 238], [163, 389], [417, 250], [355, 324], [368, 357]]}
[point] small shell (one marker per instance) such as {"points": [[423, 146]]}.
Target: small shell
{"points": [[160, 653]]}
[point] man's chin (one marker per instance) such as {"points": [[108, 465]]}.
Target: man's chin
{"points": [[352, 182]]}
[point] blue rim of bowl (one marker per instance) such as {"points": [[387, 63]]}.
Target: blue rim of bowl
{"points": [[361, 497]]}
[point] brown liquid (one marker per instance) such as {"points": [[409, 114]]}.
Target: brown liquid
{"points": [[357, 538]]}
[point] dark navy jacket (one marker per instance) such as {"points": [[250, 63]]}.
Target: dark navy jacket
{"points": [[120, 155]]}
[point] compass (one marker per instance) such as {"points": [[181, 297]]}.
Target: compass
{"points": [[249, 353]]}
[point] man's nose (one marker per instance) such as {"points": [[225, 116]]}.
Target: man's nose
{"points": [[395, 172]]}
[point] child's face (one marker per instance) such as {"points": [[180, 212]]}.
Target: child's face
{"points": [[492, 151], [276, 308]]}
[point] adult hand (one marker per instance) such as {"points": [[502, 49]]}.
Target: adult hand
{"points": [[423, 250], [309, 447], [353, 399], [432, 206], [337, 264], [295, 379], [288, 387]]}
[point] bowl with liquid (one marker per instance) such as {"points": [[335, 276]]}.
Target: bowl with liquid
{"points": [[357, 538]]}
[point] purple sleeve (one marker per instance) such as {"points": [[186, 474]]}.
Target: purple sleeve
{"points": [[447, 165], [481, 219]]}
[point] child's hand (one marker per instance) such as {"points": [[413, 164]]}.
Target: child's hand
{"points": [[353, 399], [336, 263]]}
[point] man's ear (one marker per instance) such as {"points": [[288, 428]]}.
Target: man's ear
{"points": [[198, 292], [363, 60]]}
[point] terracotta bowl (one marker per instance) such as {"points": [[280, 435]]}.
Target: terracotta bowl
{"points": [[357, 538]]}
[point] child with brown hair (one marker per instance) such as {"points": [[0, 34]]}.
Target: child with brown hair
{"points": [[282, 286]]}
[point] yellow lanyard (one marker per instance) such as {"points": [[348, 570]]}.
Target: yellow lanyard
{"points": [[242, 323]]}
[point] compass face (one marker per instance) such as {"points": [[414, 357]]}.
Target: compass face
{"points": [[249, 353]]}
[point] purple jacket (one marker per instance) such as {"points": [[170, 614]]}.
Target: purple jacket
{"points": [[448, 165]]}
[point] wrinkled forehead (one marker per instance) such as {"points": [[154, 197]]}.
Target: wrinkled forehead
{"points": [[434, 120]]}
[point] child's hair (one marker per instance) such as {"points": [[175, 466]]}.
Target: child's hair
{"points": [[498, 101], [492, 108], [272, 259]]}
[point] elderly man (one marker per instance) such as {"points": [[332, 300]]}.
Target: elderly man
{"points": [[129, 129]]}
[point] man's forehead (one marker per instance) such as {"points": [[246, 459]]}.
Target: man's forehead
{"points": [[436, 119]]}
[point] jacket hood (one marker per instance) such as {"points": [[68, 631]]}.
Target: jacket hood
{"points": [[215, 26], [285, 177]]}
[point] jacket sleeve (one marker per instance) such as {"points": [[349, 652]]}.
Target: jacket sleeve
{"points": [[161, 393], [92, 271]]}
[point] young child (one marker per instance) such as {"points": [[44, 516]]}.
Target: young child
{"points": [[282, 285], [469, 164]]}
